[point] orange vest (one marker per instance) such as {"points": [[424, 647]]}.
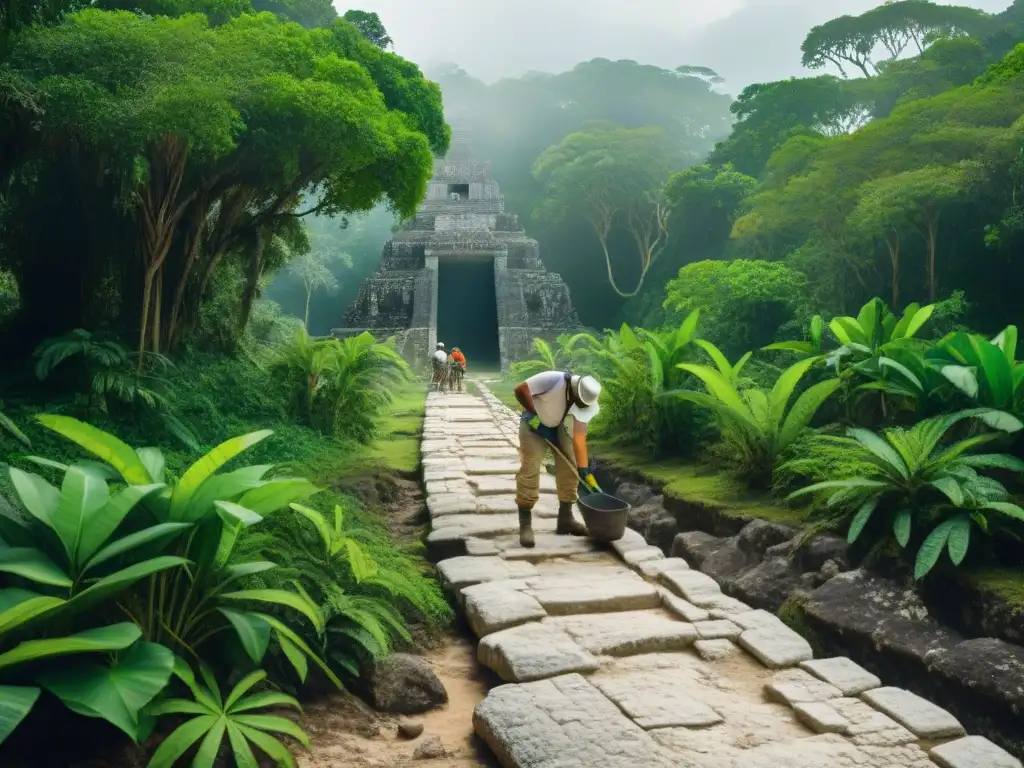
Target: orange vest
{"points": [[459, 358]]}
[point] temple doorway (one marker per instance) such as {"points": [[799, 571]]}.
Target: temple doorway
{"points": [[467, 311]]}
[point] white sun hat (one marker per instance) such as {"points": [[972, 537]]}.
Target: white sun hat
{"points": [[588, 390]]}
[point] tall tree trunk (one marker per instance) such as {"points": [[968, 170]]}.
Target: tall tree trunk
{"points": [[893, 244], [933, 226]]}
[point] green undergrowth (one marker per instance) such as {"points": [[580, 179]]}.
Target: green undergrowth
{"points": [[792, 614], [502, 389], [396, 446], [699, 484]]}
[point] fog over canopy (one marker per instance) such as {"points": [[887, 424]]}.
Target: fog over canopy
{"points": [[745, 41]]}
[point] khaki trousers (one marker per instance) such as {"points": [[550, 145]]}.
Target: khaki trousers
{"points": [[532, 448]]}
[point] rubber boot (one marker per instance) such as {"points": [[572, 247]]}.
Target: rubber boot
{"points": [[526, 528], [567, 525]]}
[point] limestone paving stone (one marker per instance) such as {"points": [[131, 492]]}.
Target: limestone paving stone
{"points": [[776, 647], [475, 466], [503, 485], [693, 586], [920, 716], [718, 629], [862, 724], [657, 699], [563, 723], [547, 505], [646, 554], [652, 569], [830, 751], [597, 596], [533, 651], [478, 547], [451, 504], [444, 474], [846, 675], [723, 606], [550, 546], [796, 686], [715, 650], [627, 633], [973, 752], [461, 572], [759, 619], [492, 609], [630, 540], [436, 488], [680, 607]]}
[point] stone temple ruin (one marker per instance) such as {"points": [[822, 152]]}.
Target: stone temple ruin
{"points": [[463, 272]]}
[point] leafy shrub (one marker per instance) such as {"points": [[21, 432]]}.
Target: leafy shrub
{"points": [[915, 479]]}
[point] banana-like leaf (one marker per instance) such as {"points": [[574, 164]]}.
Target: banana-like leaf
{"points": [[19, 606], [16, 701], [101, 525], [803, 411], [962, 377], [783, 389], [914, 321], [82, 494], [253, 632], [33, 565], [104, 446], [903, 371], [277, 494], [723, 391], [153, 460], [225, 487], [116, 637], [118, 692], [720, 360], [36, 495], [205, 468], [996, 373], [117, 582], [931, 550], [135, 540]]}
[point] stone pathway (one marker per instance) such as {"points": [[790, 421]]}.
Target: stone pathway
{"points": [[621, 658]]}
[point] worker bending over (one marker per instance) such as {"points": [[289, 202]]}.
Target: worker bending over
{"points": [[548, 399]]}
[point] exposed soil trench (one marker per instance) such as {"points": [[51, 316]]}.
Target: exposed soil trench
{"points": [[345, 731]]}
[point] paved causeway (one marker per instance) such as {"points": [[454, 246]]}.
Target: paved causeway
{"points": [[622, 658]]}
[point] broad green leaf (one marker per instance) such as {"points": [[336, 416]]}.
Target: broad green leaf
{"points": [[118, 692], [996, 373], [120, 580], [227, 486], [869, 320], [181, 740], [848, 331], [243, 687], [135, 540], [296, 657], [205, 467], [1006, 508], [1007, 341], [33, 565], [104, 446], [16, 701], [723, 391], [881, 453], [36, 495], [282, 629], [236, 514], [116, 637], [963, 378], [950, 488], [1001, 420], [861, 519], [783, 389], [931, 549], [800, 347], [81, 495], [804, 409], [153, 460], [721, 361], [280, 597], [18, 606], [252, 631], [959, 538], [318, 520], [687, 329], [101, 525], [901, 527], [917, 321], [6, 422], [277, 494], [902, 370]]}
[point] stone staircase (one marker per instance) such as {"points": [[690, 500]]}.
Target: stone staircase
{"points": [[622, 658]]}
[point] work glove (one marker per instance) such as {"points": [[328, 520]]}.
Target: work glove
{"points": [[546, 433], [588, 479]]}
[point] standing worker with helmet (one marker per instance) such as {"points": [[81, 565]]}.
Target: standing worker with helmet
{"points": [[439, 364], [548, 399]]}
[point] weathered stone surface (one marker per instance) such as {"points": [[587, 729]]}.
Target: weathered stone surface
{"points": [[776, 647], [461, 572], [717, 629], [634, 494], [846, 675], [795, 686], [723, 606], [478, 466], [657, 699], [533, 652], [547, 506], [813, 555], [430, 748], [627, 633], [759, 619], [714, 650], [492, 609], [646, 554], [657, 525], [406, 685], [924, 719], [630, 541], [549, 546], [863, 724], [768, 584], [563, 723], [694, 546], [504, 485], [451, 504], [758, 535], [598, 596], [680, 607], [973, 752], [830, 751], [691, 585], [651, 569]]}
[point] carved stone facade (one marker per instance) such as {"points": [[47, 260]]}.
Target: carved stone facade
{"points": [[462, 217]]}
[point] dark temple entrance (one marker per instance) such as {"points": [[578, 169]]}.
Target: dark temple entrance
{"points": [[467, 311]]}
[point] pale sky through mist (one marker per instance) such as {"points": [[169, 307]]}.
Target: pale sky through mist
{"points": [[745, 41]]}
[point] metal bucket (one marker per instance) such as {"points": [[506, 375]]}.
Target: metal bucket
{"points": [[604, 516]]}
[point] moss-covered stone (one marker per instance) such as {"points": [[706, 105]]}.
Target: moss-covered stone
{"points": [[792, 614]]}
